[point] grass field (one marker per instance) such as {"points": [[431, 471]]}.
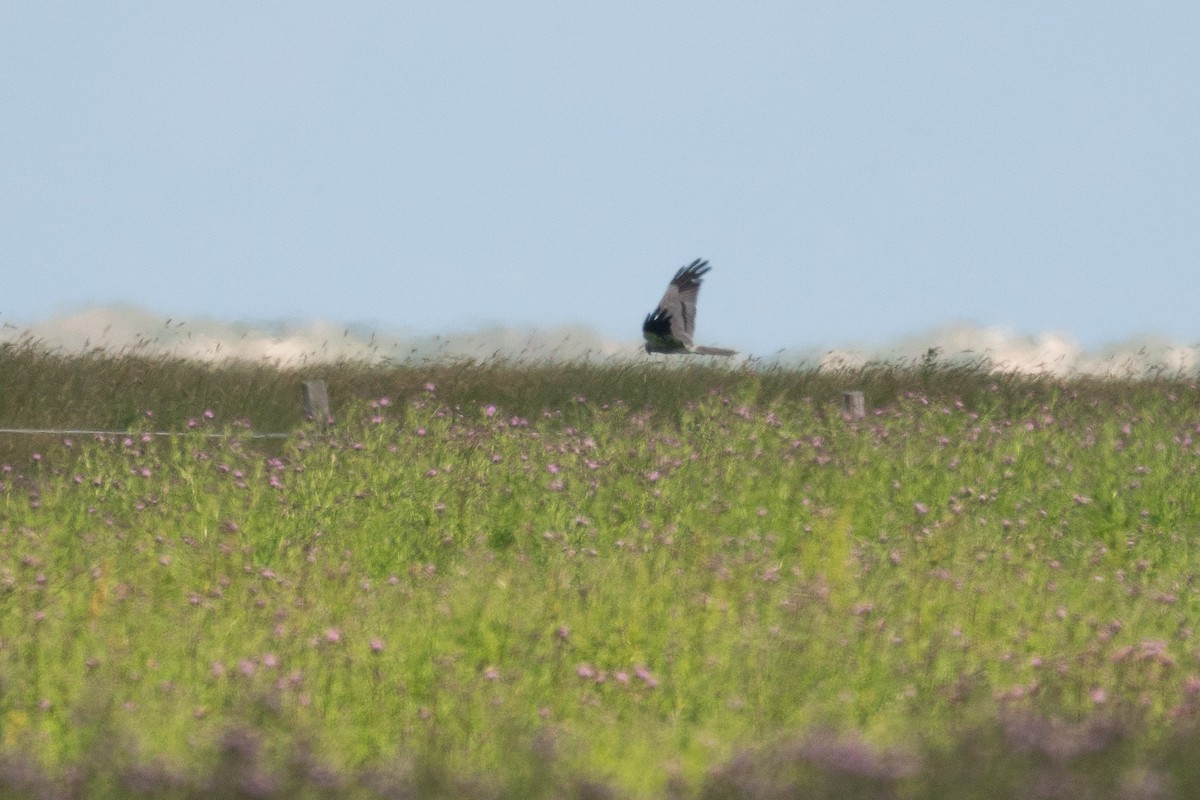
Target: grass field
{"points": [[588, 580]]}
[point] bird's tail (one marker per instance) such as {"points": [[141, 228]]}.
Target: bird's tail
{"points": [[713, 351]]}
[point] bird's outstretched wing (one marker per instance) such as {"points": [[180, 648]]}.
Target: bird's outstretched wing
{"points": [[674, 321]]}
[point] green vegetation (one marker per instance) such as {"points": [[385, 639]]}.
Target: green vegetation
{"points": [[521, 580]]}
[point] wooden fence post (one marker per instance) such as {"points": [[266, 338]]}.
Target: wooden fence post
{"points": [[854, 405], [316, 401]]}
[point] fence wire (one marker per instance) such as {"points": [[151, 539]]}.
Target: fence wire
{"points": [[134, 434]]}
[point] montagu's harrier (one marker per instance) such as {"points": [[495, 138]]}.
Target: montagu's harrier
{"points": [[668, 329]]}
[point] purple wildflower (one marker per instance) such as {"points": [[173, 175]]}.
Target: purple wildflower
{"points": [[645, 676]]}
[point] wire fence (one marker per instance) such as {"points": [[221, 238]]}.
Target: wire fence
{"points": [[94, 432], [316, 407]]}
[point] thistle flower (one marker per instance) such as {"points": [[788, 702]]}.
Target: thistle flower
{"points": [[644, 675]]}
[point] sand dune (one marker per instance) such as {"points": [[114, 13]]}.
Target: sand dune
{"points": [[128, 329]]}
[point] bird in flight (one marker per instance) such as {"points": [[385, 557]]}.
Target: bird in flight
{"points": [[668, 329]]}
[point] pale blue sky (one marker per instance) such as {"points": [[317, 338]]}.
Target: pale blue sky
{"points": [[853, 170]]}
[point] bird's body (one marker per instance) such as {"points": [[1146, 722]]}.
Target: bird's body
{"points": [[668, 329]]}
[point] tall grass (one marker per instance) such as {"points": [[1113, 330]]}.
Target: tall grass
{"points": [[41, 388], [504, 579]]}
